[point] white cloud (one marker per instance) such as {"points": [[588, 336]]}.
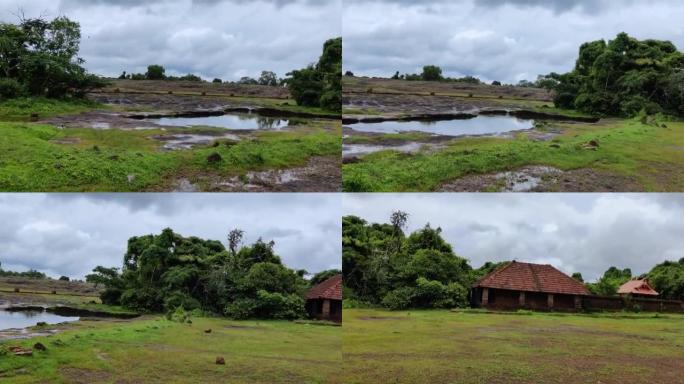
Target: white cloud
{"points": [[214, 38], [584, 233], [69, 234], [494, 39]]}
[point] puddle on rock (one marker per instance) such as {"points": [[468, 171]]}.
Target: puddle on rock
{"points": [[239, 121], [188, 141], [477, 126], [526, 179], [184, 185], [100, 125], [353, 150]]}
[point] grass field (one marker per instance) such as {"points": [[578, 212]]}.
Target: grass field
{"points": [[36, 158], [475, 347], [650, 155], [156, 350]]}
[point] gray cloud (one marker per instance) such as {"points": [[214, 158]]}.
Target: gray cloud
{"points": [[495, 40], [212, 38], [584, 233], [69, 234]]}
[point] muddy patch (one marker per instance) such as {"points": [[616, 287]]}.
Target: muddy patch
{"points": [[321, 174], [85, 375], [544, 179]]}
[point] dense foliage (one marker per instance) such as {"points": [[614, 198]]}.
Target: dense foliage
{"points": [[166, 271], [624, 77], [667, 279], [323, 276], [39, 58], [381, 265], [611, 280], [320, 85]]}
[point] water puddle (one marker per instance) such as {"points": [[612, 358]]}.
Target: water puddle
{"points": [[477, 126], [526, 179], [183, 141], [14, 322], [240, 121], [350, 150]]}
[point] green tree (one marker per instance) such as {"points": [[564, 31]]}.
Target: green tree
{"points": [[611, 280], [155, 72], [320, 85], [667, 279], [623, 77], [323, 275], [41, 56], [431, 73], [268, 78]]}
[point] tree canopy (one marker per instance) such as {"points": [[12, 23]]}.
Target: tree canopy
{"points": [[320, 85], [39, 58], [166, 271], [382, 265], [668, 279], [623, 77]]}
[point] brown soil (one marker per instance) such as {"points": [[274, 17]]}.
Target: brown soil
{"points": [[87, 376], [321, 174], [544, 179]]}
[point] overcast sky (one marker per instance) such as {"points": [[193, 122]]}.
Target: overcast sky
{"points": [[505, 40], [212, 38], [70, 234], [584, 233]]}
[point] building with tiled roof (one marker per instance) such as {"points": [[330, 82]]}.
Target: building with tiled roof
{"points": [[324, 300], [637, 288], [532, 286]]}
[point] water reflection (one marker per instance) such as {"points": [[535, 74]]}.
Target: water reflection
{"points": [[480, 125], [23, 319], [229, 121]]}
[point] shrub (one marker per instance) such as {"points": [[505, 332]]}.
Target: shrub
{"points": [[10, 89]]}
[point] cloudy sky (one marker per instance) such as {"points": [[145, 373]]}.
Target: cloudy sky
{"points": [[506, 40], [212, 38], [584, 233], [69, 234]]}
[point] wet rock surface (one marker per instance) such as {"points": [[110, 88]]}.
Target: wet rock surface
{"points": [[543, 179], [321, 174]]}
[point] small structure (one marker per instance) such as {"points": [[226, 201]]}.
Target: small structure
{"points": [[324, 301], [528, 286], [637, 288]]}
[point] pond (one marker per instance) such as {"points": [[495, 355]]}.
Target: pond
{"points": [[480, 125], [242, 121], [23, 319]]}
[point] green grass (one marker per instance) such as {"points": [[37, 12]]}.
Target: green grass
{"points": [[22, 109], [160, 351], [103, 159], [474, 347], [652, 155]]}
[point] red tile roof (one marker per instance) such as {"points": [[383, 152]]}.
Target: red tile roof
{"points": [[638, 287], [529, 277], [329, 289]]}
